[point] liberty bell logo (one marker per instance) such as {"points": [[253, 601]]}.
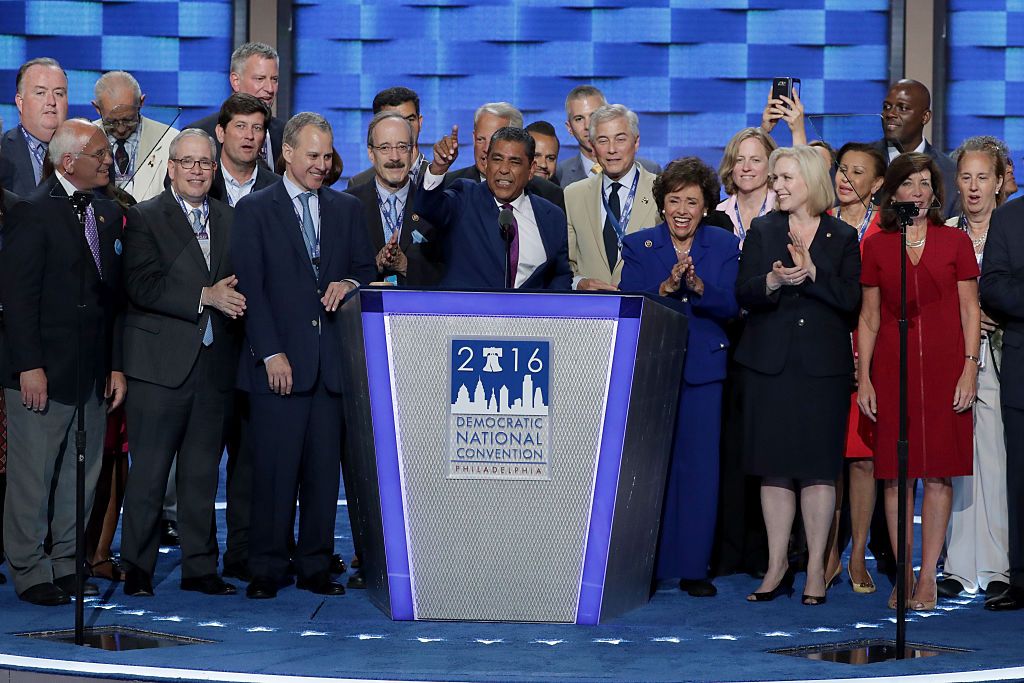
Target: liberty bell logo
{"points": [[492, 354]]}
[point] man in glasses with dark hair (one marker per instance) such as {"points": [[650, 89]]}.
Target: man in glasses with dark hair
{"points": [[140, 145]]}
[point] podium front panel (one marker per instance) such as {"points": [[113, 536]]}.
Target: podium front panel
{"points": [[487, 489]]}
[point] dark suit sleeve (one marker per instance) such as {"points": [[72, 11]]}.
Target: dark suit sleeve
{"points": [[247, 254], [148, 284], [751, 292], [1002, 294], [439, 206], [839, 289], [362, 259], [719, 298], [22, 261], [633, 271], [561, 274]]}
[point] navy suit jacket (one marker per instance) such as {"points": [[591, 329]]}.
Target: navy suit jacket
{"points": [[1002, 294], [467, 216], [16, 172], [647, 259], [283, 309]]}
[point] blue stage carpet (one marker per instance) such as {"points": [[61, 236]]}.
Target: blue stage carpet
{"points": [[674, 638]]}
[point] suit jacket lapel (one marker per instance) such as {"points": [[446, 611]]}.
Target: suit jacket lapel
{"points": [[219, 239], [328, 229], [373, 217], [182, 230], [663, 248], [290, 226]]}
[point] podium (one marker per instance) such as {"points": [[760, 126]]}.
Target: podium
{"points": [[507, 451]]}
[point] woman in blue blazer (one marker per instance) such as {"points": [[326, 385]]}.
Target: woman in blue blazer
{"points": [[693, 267]]}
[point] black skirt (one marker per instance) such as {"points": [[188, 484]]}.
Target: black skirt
{"points": [[794, 423]]}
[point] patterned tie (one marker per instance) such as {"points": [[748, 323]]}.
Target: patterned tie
{"points": [[309, 230], [199, 228], [513, 251], [392, 222], [121, 158], [92, 236], [611, 238]]}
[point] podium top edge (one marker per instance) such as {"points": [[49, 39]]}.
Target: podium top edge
{"points": [[532, 304]]}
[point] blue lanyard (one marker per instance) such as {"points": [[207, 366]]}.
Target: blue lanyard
{"points": [[739, 220], [619, 224], [864, 224], [392, 228], [315, 246], [188, 211]]}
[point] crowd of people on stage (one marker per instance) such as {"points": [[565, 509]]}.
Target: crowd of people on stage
{"points": [[178, 289]]}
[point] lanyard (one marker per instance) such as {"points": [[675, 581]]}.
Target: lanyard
{"points": [[619, 224], [864, 224], [314, 248], [188, 212], [739, 220], [386, 213]]}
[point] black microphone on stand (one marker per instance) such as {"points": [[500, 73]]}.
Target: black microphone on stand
{"points": [[505, 220]]}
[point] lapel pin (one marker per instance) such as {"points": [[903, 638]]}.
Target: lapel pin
{"points": [[415, 217], [648, 244], [828, 234], [102, 219], [645, 200]]}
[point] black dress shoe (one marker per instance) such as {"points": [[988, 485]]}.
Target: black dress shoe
{"points": [[45, 594], [321, 584], [169, 533], [67, 584], [337, 564], [211, 584], [357, 581], [698, 588], [261, 589], [1012, 599], [237, 570], [138, 584], [949, 587], [995, 588]]}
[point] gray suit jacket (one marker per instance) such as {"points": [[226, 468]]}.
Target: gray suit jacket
{"points": [[571, 170]]}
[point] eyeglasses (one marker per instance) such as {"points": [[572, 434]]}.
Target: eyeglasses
{"points": [[121, 123], [99, 155], [401, 148], [188, 163]]}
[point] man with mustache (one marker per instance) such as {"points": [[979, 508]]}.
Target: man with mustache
{"points": [[42, 101], [406, 103], [407, 252]]}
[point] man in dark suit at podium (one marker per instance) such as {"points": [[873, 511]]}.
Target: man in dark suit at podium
{"points": [[254, 70], [408, 251], [299, 249], [181, 346], [476, 219], [488, 119]]}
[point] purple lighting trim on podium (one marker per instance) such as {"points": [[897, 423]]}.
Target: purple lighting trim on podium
{"points": [[535, 305], [389, 480], [595, 562]]}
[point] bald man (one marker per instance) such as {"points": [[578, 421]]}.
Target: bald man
{"points": [[906, 110], [40, 272]]}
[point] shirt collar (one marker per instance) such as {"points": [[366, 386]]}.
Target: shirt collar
{"points": [[188, 208], [518, 204], [587, 164], [626, 180], [32, 139], [293, 189], [384, 192], [65, 183], [230, 179]]}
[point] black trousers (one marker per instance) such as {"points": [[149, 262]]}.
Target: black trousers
{"points": [[296, 442], [1013, 428]]}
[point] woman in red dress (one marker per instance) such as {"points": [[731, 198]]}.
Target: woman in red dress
{"points": [[943, 341]]}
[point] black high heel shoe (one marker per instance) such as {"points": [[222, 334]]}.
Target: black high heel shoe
{"points": [[785, 587], [813, 600]]}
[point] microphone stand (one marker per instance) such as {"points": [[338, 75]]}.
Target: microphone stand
{"points": [[80, 203], [906, 214]]}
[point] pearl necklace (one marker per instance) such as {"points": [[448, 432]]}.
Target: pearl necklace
{"points": [[916, 245]]}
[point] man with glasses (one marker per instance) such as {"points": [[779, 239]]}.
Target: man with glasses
{"points": [[406, 103], [47, 255], [140, 145], [407, 252], [42, 101], [181, 345]]}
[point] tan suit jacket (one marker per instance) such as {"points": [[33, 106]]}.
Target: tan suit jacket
{"points": [[587, 254], [150, 160]]}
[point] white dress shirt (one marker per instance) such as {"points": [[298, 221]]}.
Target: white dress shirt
{"points": [[893, 152]]}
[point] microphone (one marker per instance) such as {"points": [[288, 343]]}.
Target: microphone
{"points": [[138, 166], [905, 210], [505, 224]]}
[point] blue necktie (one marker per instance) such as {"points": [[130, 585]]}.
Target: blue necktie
{"points": [[309, 230], [392, 222], [200, 230]]}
